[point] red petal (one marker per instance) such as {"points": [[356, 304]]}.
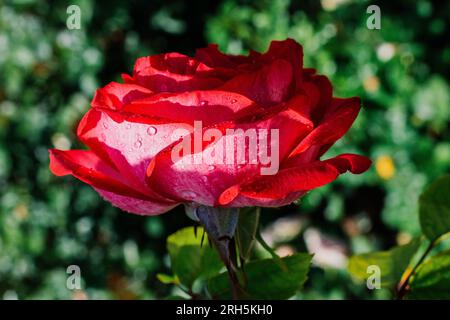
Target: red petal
{"points": [[350, 162], [203, 181], [295, 179], [136, 206], [267, 86], [319, 90], [287, 50], [87, 167], [243, 201], [128, 146], [212, 57], [174, 72], [116, 95], [336, 122], [210, 107]]}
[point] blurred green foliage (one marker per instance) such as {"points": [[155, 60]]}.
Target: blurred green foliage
{"points": [[406, 270], [48, 75]]}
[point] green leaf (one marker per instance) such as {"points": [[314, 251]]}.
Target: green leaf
{"points": [[190, 259], [246, 230], [392, 263], [432, 279], [266, 279], [168, 279], [434, 209]]}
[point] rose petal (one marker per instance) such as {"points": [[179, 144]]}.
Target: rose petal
{"points": [[212, 57], [134, 205], [287, 50], [207, 106], [240, 201], [267, 86], [89, 168], [201, 179], [128, 146], [350, 162], [116, 95], [336, 122], [320, 92], [174, 72], [295, 179]]}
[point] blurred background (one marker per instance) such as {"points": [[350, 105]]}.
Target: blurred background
{"points": [[48, 75]]}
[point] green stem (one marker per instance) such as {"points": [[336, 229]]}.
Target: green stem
{"points": [[404, 287], [220, 225], [274, 255]]}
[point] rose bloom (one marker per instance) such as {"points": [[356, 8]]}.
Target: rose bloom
{"points": [[129, 130]]}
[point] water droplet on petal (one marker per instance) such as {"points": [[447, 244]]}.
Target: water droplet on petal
{"points": [[84, 173], [128, 126], [211, 168], [151, 131], [138, 143], [105, 125], [233, 101], [188, 195], [203, 103], [205, 179], [89, 173]]}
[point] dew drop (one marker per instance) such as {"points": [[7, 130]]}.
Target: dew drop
{"points": [[233, 101], [188, 195], [211, 168], [151, 131], [84, 173], [138, 143], [203, 103], [105, 125]]}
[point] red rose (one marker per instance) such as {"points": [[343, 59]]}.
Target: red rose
{"points": [[130, 131]]}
